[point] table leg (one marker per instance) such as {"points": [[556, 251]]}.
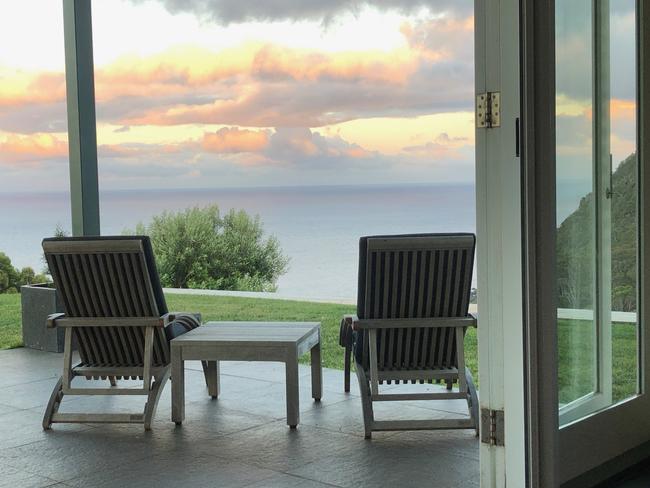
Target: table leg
{"points": [[293, 402], [178, 386], [316, 373], [212, 378]]}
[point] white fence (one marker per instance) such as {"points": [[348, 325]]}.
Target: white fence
{"points": [[580, 314]]}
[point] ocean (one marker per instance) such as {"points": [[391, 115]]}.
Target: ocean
{"points": [[318, 227]]}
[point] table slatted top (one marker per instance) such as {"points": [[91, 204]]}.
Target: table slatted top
{"points": [[252, 333]]}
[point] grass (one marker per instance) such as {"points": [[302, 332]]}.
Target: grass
{"points": [[236, 308], [575, 344], [576, 352], [10, 333]]}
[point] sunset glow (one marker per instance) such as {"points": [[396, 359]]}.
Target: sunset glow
{"points": [[232, 97], [219, 95]]}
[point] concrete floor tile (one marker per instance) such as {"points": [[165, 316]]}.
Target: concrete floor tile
{"points": [[270, 400], [347, 417], [288, 481], [28, 395], [241, 439], [25, 427], [24, 365], [11, 478], [387, 462], [463, 443], [207, 419], [275, 446], [65, 455], [4, 409], [174, 470]]}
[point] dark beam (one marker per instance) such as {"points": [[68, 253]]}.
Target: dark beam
{"points": [[82, 132]]}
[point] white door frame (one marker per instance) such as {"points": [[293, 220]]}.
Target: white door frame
{"points": [[499, 243]]}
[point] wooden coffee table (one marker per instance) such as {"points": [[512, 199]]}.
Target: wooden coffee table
{"points": [[247, 341]]}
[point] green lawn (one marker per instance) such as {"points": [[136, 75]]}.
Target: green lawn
{"points": [[235, 308], [575, 349], [10, 333]]}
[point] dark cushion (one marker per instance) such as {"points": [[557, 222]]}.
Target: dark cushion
{"points": [[181, 324], [148, 256]]}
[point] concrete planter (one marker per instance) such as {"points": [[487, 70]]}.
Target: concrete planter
{"points": [[38, 301]]}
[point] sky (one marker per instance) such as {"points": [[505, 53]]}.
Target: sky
{"points": [[229, 93], [575, 95], [235, 93]]}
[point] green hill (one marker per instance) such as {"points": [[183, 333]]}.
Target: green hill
{"points": [[575, 250]]}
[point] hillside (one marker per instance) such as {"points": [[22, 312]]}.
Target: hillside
{"points": [[575, 246]]}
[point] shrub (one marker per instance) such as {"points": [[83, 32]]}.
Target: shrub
{"points": [[59, 231], [199, 248]]}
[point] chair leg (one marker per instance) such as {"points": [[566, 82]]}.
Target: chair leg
{"points": [[154, 397], [472, 400], [450, 385], [53, 404], [346, 368], [112, 380], [366, 401]]}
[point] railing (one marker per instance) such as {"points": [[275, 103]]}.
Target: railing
{"points": [[582, 314]]}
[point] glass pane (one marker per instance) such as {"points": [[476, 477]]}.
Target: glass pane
{"points": [[576, 235], [624, 198], [597, 195]]}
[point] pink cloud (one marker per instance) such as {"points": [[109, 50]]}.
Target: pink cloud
{"points": [[16, 148], [234, 140]]}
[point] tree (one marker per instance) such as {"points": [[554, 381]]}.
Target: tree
{"points": [[59, 231], [198, 248], [11, 279], [27, 276], [8, 274]]}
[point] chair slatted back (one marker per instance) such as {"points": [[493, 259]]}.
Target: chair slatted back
{"points": [[109, 277], [414, 276]]}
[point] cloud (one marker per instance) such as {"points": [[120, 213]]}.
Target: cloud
{"points": [[264, 85], [235, 11], [34, 148], [442, 38], [19, 87], [236, 156], [282, 87], [442, 147], [234, 140]]}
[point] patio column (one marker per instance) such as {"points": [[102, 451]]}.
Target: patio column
{"points": [[82, 134]]}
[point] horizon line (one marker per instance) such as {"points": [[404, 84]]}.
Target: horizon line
{"points": [[253, 187]]}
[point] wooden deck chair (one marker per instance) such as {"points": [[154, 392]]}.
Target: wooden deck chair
{"points": [[412, 314], [115, 313]]}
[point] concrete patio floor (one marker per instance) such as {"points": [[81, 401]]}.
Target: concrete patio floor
{"points": [[239, 440]]}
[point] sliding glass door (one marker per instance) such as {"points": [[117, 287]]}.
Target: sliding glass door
{"points": [[597, 196]]}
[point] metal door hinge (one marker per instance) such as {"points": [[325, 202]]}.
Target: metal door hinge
{"points": [[492, 427], [488, 110]]}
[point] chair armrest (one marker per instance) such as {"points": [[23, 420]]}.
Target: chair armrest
{"points": [[60, 320], [50, 322], [475, 317], [415, 323]]}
